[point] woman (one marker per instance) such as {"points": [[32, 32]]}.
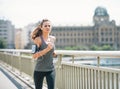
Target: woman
{"points": [[44, 66]]}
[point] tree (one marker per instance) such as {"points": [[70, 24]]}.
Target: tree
{"points": [[2, 43], [107, 47]]}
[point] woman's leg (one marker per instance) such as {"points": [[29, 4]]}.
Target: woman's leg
{"points": [[50, 78], [38, 79]]}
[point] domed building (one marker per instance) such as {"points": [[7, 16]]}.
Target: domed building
{"points": [[100, 15], [107, 31], [103, 32]]}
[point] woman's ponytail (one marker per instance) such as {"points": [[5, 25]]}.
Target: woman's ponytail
{"points": [[36, 33]]}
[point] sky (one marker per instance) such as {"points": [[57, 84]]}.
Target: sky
{"points": [[59, 12]]}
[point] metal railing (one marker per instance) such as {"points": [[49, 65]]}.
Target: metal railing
{"points": [[69, 75]]}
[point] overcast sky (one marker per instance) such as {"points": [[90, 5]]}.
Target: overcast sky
{"points": [[64, 12]]}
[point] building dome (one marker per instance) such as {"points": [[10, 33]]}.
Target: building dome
{"points": [[100, 11]]}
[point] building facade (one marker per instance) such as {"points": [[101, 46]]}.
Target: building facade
{"points": [[7, 33], [18, 39], [103, 32]]}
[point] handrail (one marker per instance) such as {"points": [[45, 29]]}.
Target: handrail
{"points": [[90, 53], [15, 50], [73, 52]]}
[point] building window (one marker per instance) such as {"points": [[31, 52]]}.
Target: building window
{"points": [[102, 39], [111, 39], [106, 39], [102, 33]]}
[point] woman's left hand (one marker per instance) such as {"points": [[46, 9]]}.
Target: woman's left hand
{"points": [[35, 56]]}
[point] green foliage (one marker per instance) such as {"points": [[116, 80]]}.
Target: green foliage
{"points": [[76, 48], [104, 47], [2, 43], [107, 47], [68, 48], [93, 47]]}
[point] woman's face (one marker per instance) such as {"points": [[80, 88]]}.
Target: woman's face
{"points": [[46, 27]]}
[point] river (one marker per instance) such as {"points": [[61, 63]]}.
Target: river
{"points": [[104, 62]]}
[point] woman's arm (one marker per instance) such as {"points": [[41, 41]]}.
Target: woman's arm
{"points": [[43, 52]]}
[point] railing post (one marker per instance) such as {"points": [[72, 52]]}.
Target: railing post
{"points": [[72, 58], [58, 71], [98, 61], [119, 81], [11, 61], [59, 60], [33, 62], [20, 62]]}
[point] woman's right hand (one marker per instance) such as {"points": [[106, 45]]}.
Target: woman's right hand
{"points": [[50, 46]]}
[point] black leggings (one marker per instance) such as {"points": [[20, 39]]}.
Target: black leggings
{"points": [[39, 77]]}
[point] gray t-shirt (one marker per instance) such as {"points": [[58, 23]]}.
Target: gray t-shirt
{"points": [[45, 63]]}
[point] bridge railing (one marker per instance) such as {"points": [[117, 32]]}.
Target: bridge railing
{"points": [[69, 75]]}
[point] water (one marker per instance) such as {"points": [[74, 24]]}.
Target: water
{"points": [[104, 62]]}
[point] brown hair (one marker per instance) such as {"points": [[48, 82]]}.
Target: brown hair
{"points": [[37, 31]]}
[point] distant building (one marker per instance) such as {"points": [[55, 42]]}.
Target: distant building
{"points": [[22, 37], [26, 31], [7, 33], [18, 37], [103, 32]]}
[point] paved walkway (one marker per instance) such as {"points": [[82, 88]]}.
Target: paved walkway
{"points": [[9, 81], [5, 83]]}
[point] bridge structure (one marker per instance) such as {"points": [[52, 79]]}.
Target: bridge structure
{"points": [[18, 66]]}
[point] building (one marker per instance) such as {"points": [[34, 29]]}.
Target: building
{"points": [[18, 37], [7, 33], [103, 32]]}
